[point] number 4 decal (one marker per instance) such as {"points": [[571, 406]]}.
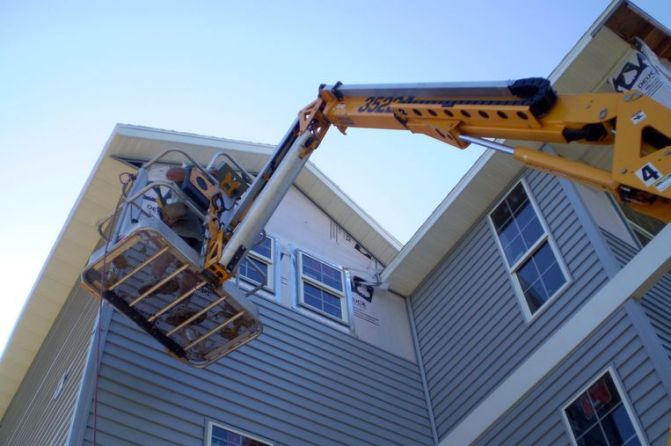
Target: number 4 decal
{"points": [[648, 174]]}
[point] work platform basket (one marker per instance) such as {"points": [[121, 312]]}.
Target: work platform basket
{"points": [[153, 274]]}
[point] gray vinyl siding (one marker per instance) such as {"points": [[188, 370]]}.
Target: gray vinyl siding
{"points": [[34, 417], [657, 302], [300, 383], [537, 418], [470, 326]]}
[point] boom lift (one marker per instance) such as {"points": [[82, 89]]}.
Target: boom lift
{"points": [[175, 284]]}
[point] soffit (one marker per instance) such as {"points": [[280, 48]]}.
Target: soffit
{"points": [[59, 275]]}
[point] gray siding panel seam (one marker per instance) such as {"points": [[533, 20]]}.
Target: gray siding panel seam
{"points": [[496, 281], [503, 348], [306, 413], [338, 339], [349, 359], [252, 403], [298, 384], [651, 342], [656, 304], [247, 356], [34, 416], [536, 418], [255, 353], [399, 424], [500, 337], [590, 227], [422, 372], [85, 393]]}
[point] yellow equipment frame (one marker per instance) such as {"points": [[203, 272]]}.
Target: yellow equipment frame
{"points": [[637, 127]]}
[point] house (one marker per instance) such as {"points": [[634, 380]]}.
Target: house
{"points": [[526, 310]]}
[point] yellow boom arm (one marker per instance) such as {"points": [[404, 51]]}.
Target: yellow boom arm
{"points": [[636, 126]]}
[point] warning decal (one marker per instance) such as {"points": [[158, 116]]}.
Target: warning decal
{"points": [[648, 174]]}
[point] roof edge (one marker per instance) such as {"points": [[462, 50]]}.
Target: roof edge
{"points": [[440, 210], [374, 224], [140, 131], [582, 42], [57, 241]]}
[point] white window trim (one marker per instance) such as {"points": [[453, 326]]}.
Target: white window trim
{"points": [[344, 295], [208, 434], [250, 284], [623, 396], [547, 236]]}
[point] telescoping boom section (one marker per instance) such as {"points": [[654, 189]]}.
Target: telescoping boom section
{"points": [[635, 127], [182, 230]]}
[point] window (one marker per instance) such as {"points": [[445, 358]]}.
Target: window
{"points": [[322, 287], [538, 273], [599, 416], [223, 436], [257, 266]]}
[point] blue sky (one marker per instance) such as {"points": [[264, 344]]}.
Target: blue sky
{"points": [[71, 70]]}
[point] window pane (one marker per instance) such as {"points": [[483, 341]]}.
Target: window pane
{"points": [[618, 427], [333, 310], [516, 198], [517, 224], [501, 216], [332, 277], [593, 437], [553, 279], [525, 215], [544, 258], [532, 231], [508, 232], [535, 296], [224, 437], [532, 285], [312, 298], [527, 274], [311, 267], [249, 442], [234, 439], [604, 395], [549, 270], [264, 248], [330, 299], [514, 250], [322, 273], [322, 300], [581, 415], [313, 292], [540, 277], [248, 271]]}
